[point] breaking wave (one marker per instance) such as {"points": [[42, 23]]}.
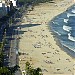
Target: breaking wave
{"points": [[66, 28], [71, 37]]}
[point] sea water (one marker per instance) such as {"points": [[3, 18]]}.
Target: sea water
{"points": [[64, 26]]}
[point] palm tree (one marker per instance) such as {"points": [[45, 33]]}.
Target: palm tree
{"points": [[31, 71]]}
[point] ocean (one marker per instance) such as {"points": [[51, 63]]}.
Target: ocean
{"points": [[63, 25]]}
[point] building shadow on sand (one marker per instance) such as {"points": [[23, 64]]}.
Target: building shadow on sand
{"points": [[16, 33], [26, 25], [22, 26]]}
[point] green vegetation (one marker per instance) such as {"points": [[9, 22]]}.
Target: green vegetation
{"points": [[34, 2], [5, 71], [1, 59], [1, 53], [25, 1], [31, 71]]}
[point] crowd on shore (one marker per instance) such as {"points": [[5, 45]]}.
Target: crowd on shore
{"points": [[37, 44]]}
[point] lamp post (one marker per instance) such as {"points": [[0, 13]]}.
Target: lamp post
{"points": [[18, 29], [10, 21]]}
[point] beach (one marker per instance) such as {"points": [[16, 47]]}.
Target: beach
{"points": [[37, 44]]}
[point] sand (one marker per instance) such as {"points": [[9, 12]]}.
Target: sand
{"points": [[37, 43]]}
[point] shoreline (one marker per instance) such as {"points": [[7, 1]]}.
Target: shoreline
{"points": [[64, 48], [39, 45]]}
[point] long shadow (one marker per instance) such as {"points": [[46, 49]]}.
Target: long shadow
{"points": [[26, 25], [12, 29]]}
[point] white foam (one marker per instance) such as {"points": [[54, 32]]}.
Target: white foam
{"points": [[62, 42], [71, 37], [66, 28], [65, 20], [73, 11], [68, 15], [56, 23], [57, 32]]}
